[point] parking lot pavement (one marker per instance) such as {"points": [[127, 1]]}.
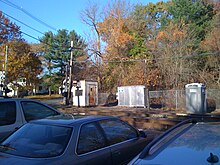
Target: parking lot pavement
{"points": [[56, 103]]}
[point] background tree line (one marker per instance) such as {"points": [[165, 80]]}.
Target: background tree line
{"points": [[163, 46]]}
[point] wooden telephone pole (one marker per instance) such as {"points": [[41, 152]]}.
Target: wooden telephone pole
{"points": [[6, 72], [70, 75]]}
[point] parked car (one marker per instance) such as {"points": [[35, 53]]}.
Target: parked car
{"points": [[89, 140], [189, 142], [15, 112]]}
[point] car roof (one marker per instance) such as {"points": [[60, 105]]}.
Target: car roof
{"points": [[17, 99], [71, 122], [192, 145]]}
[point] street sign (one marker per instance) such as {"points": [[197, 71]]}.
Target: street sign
{"points": [[78, 93]]}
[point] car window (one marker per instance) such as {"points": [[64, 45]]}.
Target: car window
{"points": [[7, 113], [38, 141], [33, 111], [118, 131], [90, 138]]}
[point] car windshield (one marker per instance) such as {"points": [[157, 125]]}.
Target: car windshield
{"points": [[37, 141]]}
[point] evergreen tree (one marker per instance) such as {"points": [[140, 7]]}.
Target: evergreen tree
{"points": [[57, 53], [195, 13]]}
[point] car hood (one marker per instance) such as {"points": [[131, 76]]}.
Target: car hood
{"points": [[6, 159]]}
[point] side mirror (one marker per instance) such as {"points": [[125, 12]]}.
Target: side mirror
{"points": [[142, 134]]}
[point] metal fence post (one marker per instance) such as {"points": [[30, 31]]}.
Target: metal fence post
{"points": [[176, 99]]}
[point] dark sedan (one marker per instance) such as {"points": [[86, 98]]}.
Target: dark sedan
{"points": [[87, 140]]}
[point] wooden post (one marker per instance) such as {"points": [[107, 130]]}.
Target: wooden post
{"points": [[70, 75]]}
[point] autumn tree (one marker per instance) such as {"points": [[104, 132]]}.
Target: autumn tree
{"points": [[22, 63], [211, 46], [157, 45], [91, 16], [174, 48], [114, 30], [8, 30], [145, 24], [173, 31]]}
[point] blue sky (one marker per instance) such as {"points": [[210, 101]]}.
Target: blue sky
{"points": [[60, 14]]}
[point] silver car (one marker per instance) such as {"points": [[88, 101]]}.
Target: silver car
{"points": [[15, 112]]}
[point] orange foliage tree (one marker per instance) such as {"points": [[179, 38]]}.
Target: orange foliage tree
{"points": [[22, 63], [211, 44], [8, 30], [114, 31]]}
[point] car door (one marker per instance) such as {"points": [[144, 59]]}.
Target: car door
{"points": [[10, 118], [123, 139], [91, 147]]}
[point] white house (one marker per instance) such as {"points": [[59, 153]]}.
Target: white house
{"points": [[11, 86]]}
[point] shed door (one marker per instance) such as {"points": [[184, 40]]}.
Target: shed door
{"points": [[92, 95]]}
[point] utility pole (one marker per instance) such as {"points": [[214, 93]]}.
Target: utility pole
{"points": [[6, 71], [70, 75], [146, 88], [66, 101]]}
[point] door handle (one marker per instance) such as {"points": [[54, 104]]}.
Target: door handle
{"points": [[16, 128], [116, 153]]}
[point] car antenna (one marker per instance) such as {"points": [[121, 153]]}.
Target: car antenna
{"points": [[212, 158]]}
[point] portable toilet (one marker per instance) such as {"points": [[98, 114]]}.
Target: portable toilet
{"points": [[195, 98]]}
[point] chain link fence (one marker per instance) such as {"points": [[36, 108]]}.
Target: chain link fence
{"points": [[170, 99], [214, 94], [176, 99]]}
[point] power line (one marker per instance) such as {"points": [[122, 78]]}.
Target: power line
{"points": [[30, 36], [27, 13], [35, 38], [23, 23], [155, 59], [24, 33], [62, 52]]}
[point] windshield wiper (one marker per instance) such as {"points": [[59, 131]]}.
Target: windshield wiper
{"points": [[6, 147]]}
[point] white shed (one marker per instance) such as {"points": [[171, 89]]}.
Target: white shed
{"points": [[85, 93], [132, 96]]}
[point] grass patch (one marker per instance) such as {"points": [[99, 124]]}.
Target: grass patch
{"points": [[42, 97]]}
